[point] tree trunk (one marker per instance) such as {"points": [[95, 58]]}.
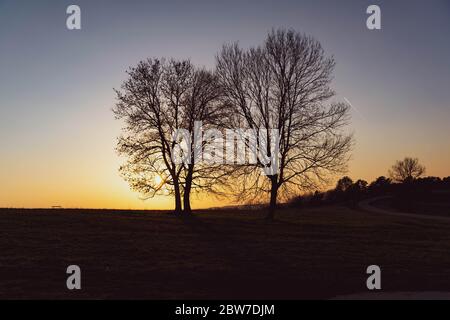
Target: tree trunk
{"points": [[187, 201], [187, 192], [273, 198], [178, 208]]}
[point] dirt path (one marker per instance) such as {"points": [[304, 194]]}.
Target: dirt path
{"points": [[366, 205]]}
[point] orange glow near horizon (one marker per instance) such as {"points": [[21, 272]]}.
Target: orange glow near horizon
{"points": [[87, 186], [73, 164]]}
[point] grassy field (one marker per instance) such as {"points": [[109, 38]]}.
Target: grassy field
{"points": [[308, 253]]}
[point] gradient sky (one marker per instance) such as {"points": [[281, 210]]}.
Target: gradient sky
{"points": [[58, 132]]}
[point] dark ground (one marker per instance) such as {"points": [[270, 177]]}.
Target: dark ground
{"points": [[307, 253], [436, 203]]}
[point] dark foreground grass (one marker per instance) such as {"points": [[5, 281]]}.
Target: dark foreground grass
{"points": [[311, 253]]}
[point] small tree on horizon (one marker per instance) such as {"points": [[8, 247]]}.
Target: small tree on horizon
{"points": [[343, 184], [406, 170]]}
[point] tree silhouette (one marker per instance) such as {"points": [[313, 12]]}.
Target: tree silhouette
{"points": [[380, 185], [406, 170], [356, 191], [158, 98], [343, 184], [285, 85]]}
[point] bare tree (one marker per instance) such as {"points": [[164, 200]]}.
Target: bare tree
{"points": [[157, 100], [406, 170], [201, 106], [285, 85]]}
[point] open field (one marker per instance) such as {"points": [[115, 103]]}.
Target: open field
{"points": [[310, 253]]}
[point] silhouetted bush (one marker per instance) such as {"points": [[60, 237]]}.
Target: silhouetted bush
{"points": [[409, 195], [380, 186], [309, 199], [356, 192]]}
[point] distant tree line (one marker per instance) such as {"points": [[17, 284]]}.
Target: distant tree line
{"points": [[404, 184]]}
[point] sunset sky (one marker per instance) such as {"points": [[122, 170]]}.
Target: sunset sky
{"points": [[58, 133]]}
